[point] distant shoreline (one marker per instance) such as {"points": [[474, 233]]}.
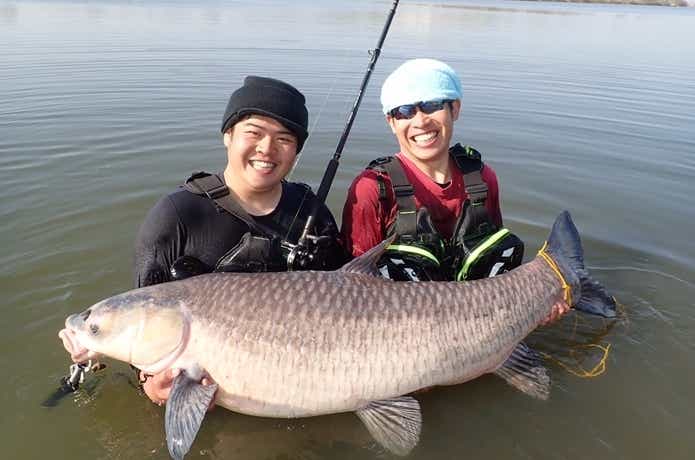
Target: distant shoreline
{"points": [[628, 2]]}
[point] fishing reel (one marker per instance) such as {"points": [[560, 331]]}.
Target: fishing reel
{"points": [[309, 253]]}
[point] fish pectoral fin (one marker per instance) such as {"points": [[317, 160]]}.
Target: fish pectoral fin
{"points": [[524, 370], [394, 423], [185, 410]]}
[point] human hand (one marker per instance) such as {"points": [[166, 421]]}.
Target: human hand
{"points": [[157, 387], [559, 308]]}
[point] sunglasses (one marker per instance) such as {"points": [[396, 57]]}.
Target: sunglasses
{"points": [[408, 111]]}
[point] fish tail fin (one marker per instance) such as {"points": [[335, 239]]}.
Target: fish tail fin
{"points": [[565, 249]]}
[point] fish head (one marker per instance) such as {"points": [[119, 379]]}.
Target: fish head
{"points": [[136, 327]]}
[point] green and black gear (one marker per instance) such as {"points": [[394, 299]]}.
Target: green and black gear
{"points": [[478, 248]]}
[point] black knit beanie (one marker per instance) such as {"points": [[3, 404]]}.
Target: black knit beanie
{"points": [[272, 98]]}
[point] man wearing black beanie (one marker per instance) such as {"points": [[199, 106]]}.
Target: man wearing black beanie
{"points": [[246, 219], [270, 97]]}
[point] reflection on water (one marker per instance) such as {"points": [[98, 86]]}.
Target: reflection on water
{"points": [[8, 14], [107, 105]]}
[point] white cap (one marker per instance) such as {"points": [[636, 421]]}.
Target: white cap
{"points": [[419, 80]]}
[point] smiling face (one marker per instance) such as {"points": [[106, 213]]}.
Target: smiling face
{"points": [[425, 138], [260, 153]]}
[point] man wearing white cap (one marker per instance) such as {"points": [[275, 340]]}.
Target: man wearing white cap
{"points": [[441, 200]]}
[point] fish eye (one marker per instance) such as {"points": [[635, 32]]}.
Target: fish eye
{"points": [[94, 329]]}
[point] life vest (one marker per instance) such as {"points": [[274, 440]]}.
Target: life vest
{"points": [[260, 249], [477, 249]]}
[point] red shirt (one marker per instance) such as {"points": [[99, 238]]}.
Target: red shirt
{"points": [[366, 218]]}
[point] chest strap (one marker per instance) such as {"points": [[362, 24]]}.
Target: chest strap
{"points": [[470, 163], [467, 159], [406, 218], [213, 187], [474, 222]]}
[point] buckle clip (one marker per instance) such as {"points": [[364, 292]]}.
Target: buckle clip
{"points": [[477, 192], [402, 190], [217, 192]]}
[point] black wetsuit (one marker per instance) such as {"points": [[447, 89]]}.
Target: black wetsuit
{"points": [[185, 224]]}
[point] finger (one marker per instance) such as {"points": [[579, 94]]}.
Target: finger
{"points": [[151, 392], [164, 378], [212, 402], [159, 387]]}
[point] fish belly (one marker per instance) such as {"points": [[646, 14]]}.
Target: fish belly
{"points": [[337, 345]]}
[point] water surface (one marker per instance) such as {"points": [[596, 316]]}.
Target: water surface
{"points": [[106, 105]]}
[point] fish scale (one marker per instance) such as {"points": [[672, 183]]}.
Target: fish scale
{"points": [[301, 344], [356, 337]]}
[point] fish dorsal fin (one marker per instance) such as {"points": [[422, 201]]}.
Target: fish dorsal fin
{"points": [[394, 423], [185, 410], [366, 263], [524, 370]]}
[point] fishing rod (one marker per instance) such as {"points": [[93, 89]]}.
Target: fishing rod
{"points": [[302, 246]]}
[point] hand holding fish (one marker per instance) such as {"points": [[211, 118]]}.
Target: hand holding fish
{"points": [[158, 386], [558, 310], [329, 342]]}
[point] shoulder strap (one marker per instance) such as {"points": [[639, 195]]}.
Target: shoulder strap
{"points": [[376, 165], [406, 218], [213, 187], [470, 163], [474, 220]]}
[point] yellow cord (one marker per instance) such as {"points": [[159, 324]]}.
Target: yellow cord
{"points": [[565, 287], [597, 370], [578, 371], [573, 354]]}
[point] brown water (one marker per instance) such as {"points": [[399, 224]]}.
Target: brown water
{"points": [[106, 105]]}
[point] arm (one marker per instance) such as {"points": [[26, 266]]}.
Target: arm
{"points": [[153, 258], [364, 217], [492, 203], [493, 206], [157, 245]]}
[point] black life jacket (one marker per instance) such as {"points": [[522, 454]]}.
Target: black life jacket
{"points": [[477, 249], [261, 249]]}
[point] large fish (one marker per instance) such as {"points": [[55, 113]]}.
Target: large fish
{"points": [[301, 344]]}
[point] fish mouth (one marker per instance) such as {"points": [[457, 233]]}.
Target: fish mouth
{"points": [[78, 352]]}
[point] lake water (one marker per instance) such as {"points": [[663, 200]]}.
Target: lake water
{"points": [[106, 105]]}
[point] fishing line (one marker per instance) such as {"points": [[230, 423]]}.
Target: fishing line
{"points": [[296, 215], [597, 343], [578, 370], [299, 155], [302, 246], [566, 289], [318, 117]]}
